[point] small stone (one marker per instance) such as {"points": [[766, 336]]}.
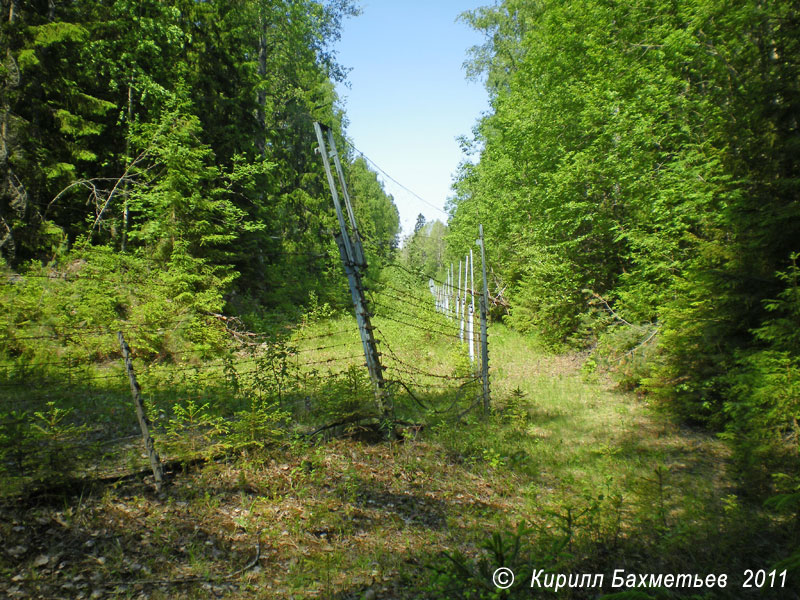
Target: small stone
{"points": [[17, 551], [41, 560]]}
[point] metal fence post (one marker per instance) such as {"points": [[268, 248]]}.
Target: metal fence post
{"points": [[471, 322], [447, 294], [352, 255], [461, 304], [484, 324]]}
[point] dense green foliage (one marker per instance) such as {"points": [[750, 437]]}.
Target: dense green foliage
{"points": [[424, 250], [159, 176], [178, 129], [638, 181]]}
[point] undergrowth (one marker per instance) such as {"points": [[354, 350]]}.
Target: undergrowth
{"points": [[564, 476]]}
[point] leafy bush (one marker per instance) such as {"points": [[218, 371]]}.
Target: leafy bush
{"points": [[84, 297], [194, 432], [547, 301], [628, 352], [347, 396], [42, 446], [515, 411], [257, 427], [16, 442], [764, 405]]}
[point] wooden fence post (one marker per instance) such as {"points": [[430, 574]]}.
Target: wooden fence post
{"points": [[144, 423]]}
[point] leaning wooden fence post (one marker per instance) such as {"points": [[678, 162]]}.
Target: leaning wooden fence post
{"points": [[155, 461]]}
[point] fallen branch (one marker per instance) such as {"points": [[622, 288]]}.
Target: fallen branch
{"points": [[608, 307], [635, 348], [472, 406], [498, 299], [345, 421], [122, 179], [410, 393]]}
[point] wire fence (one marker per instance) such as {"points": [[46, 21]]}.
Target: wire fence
{"points": [[65, 398], [424, 349], [66, 411], [65, 393]]}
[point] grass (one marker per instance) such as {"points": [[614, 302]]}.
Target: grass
{"points": [[582, 477]]}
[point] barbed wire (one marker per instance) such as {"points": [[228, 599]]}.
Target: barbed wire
{"points": [[408, 299], [129, 330], [154, 369], [385, 174], [430, 309], [27, 382], [14, 278], [70, 278], [419, 323], [289, 334], [422, 321], [421, 275], [352, 343], [331, 360], [67, 364], [417, 370], [125, 327], [161, 376], [414, 325]]}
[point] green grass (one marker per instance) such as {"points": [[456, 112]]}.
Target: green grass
{"points": [[598, 480]]}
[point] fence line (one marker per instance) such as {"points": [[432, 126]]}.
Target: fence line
{"points": [[278, 369], [414, 370], [415, 326]]}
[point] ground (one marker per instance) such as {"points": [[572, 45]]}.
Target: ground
{"points": [[580, 476]]}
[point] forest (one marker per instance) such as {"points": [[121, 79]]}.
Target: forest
{"points": [[640, 177], [167, 231]]}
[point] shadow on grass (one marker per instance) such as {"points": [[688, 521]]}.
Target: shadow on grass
{"points": [[740, 546], [414, 509], [96, 549]]}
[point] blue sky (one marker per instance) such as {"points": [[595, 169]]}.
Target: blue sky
{"points": [[408, 98]]}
